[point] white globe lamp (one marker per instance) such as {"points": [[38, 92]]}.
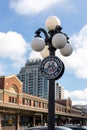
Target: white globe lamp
{"points": [[45, 52], [38, 44], [51, 22], [59, 40], [66, 50]]}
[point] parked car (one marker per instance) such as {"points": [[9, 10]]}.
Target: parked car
{"points": [[67, 125], [46, 128], [85, 127], [76, 127]]}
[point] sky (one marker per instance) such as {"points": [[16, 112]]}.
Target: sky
{"points": [[19, 19]]}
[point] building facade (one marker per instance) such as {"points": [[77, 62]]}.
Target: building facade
{"points": [[34, 82], [18, 109], [59, 91]]}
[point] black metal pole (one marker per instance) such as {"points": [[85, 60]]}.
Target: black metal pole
{"points": [[51, 98], [51, 105]]}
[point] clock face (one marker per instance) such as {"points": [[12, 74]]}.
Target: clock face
{"points": [[52, 67]]}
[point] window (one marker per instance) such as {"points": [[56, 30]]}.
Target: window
{"points": [[12, 99], [29, 102], [1, 97], [9, 99]]}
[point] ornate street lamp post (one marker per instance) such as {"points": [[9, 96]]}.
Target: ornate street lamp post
{"points": [[52, 66]]}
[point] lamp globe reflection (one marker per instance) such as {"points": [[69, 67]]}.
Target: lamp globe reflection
{"points": [[53, 39]]}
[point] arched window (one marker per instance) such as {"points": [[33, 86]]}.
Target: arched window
{"points": [[13, 89], [13, 94]]}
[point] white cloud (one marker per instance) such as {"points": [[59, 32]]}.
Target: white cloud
{"points": [[77, 62], [11, 44], [34, 55], [25, 7], [13, 47], [79, 57], [77, 96]]}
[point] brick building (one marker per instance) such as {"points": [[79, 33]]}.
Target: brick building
{"points": [[18, 109], [12, 85]]}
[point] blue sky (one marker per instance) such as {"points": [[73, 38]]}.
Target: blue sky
{"points": [[19, 19]]}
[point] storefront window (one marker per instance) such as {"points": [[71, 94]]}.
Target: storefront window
{"points": [[8, 120], [24, 120]]}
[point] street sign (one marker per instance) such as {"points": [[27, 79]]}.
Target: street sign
{"points": [[52, 67]]}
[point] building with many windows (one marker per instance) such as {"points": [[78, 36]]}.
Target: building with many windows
{"points": [[34, 82], [18, 110], [59, 91]]}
